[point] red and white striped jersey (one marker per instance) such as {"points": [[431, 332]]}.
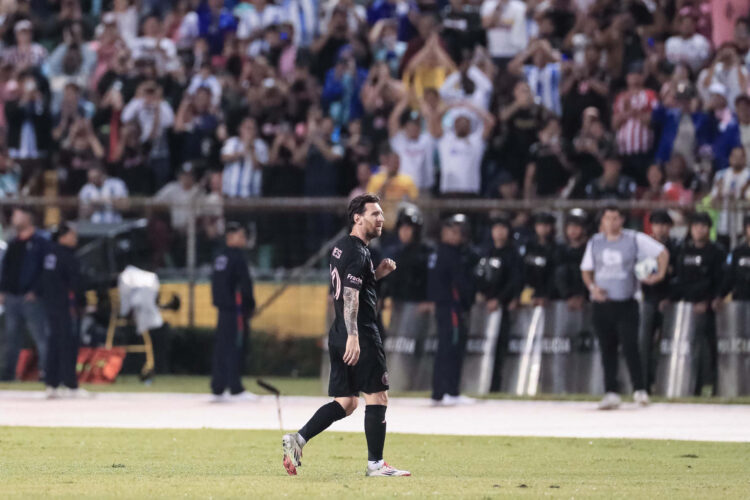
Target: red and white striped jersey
{"points": [[634, 136]]}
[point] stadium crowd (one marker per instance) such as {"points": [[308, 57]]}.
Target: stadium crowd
{"points": [[181, 99]]}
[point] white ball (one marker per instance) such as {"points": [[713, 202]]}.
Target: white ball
{"points": [[646, 268]]}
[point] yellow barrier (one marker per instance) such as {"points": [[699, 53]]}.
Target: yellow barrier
{"points": [[299, 312]]}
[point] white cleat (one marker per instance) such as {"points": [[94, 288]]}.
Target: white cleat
{"points": [[77, 393], [436, 402], [641, 398], [386, 470], [218, 398], [51, 393], [610, 401], [244, 396], [459, 400], [292, 453]]}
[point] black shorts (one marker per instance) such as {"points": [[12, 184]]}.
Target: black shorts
{"points": [[369, 375]]}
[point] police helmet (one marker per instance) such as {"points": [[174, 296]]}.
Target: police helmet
{"points": [[577, 216], [543, 218], [409, 214], [502, 219], [61, 230]]}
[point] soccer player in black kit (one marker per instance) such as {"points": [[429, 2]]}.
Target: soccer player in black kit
{"points": [[354, 343]]}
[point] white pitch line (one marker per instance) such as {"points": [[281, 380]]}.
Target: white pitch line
{"points": [[695, 422]]}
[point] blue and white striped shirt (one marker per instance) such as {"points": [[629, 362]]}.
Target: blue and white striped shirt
{"points": [[545, 85], [241, 178]]}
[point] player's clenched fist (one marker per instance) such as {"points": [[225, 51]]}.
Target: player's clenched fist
{"points": [[351, 355], [386, 267]]}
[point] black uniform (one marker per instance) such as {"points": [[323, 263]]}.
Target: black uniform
{"points": [[232, 291], [737, 275], [698, 278], [568, 281], [539, 262], [351, 267], [449, 286], [500, 274], [63, 299], [408, 283], [652, 318]]}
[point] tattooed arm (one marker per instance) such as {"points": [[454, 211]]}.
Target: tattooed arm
{"points": [[351, 309]]}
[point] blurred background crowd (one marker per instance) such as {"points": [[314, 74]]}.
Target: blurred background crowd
{"points": [[231, 100]]}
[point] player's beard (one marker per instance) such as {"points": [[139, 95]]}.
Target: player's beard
{"points": [[375, 233]]}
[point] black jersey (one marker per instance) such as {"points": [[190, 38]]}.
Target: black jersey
{"points": [[351, 266]]}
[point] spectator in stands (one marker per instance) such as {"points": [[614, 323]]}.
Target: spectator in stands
{"points": [[127, 19], [543, 75], [726, 69], [196, 129], [505, 22], [684, 128], [364, 174], [549, 170], [723, 126], [19, 291], [688, 46], [632, 115], [152, 45], [130, 161], [653, 191], [10, 176], [391, 185], [585, 85], [155, 117], [460, 149], [612, 184], [80, 151], [385, 44], [342, 88], [678, 186], [214, 22], [72, 60], [730, 184], [742, 104], [426, 63], [468, 83], [106, 48], [521, 120], [28, 120], [591, 147], [205, 79], [102, 197], [414, 147], [72, 108], [244, 157], [25, 54]]}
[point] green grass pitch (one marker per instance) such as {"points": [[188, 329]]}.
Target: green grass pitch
{"points": [[118, 463]]}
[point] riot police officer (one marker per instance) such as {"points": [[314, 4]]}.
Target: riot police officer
{"points": [[569, 284], [64, 300], [655, 297], [408, 283], [499, 273], [737, 275], [450, 288], [698, 278], [232, 292], [499, 277], [539, 257]]}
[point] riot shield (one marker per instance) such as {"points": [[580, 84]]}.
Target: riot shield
{"points": [[678, 352], [733, 338], [481, 346], [522, 363], [407, 329]]}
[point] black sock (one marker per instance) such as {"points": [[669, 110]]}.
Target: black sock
{"points": [[323, 418], [375, 431]]}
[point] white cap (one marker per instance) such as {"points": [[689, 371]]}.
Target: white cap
{"points": [[23, 24]]}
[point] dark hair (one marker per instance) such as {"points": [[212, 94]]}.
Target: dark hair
{"points": [[614, 208], [384, 150], [357, 205]]}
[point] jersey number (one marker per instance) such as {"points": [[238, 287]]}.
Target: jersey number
{"points": [[335, 283]]}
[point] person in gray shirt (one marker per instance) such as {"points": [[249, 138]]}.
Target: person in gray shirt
{"points": [[608, 270]]}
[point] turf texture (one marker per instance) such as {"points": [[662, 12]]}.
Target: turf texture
{"points": [[116, 463]]}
